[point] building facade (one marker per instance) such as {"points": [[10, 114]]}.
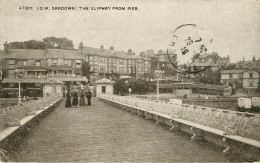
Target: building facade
{"points": [[250, 79], [247, 79], [114, 64], [212, 61], [40, 66], [233, 77]]}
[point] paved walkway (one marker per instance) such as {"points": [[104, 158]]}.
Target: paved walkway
{"points": [[103, 133]]}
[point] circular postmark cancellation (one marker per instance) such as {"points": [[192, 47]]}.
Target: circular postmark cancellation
{"points": [[189, 41]]}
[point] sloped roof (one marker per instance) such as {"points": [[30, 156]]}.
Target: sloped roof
{"points": [[204, 64], [104, 81], [25, 54], [63, 53], [232, 71], [106, 52]]}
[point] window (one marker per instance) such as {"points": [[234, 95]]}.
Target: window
{"points": [[65, 62], [114, 69], [230, 76], [102, 60], [203, 60], [11, 73], [38, 63], [54, 90], [102, 69], [103, 89], [251, 84], [121, 70], [95, 58], [25, 63], [250, 75], [11, 62], [91, 58], [78, 63], [110, 69], [55, 61], [121, 61], [95, 69], [129, 61], [91, 68], [129, 70]]}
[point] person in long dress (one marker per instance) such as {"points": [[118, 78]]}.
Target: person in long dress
{"points": [[75, 101], [89, 96], [82, 99], [68, 100]]}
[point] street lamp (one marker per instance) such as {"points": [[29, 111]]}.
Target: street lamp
{"points": [[129, 90], [19, 74], [158, 73]]}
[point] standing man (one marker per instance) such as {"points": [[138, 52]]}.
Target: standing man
{"points": [[89, 95]]}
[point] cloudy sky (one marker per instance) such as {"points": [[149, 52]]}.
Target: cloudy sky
{"points": [[234, 24]]}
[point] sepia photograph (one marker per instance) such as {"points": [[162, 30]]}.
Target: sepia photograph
{"points": [[129, 81]]}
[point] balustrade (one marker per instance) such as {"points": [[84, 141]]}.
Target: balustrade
{"points": [[231, 122], [11, 116]]}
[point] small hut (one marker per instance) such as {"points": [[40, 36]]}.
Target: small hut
{"points": [[104, 86]]}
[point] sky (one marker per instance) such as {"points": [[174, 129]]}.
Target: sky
{"points": [[234, 25]]}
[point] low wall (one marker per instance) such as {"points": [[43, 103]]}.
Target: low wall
{"points": [[16, 121], [238, 131], [213, 102], [221, 103]]}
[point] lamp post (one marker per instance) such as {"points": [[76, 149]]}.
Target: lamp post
{"points": [[19, 74], [129, 90], [158, 73]]}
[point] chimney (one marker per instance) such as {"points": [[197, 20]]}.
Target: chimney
{"points": [[81, 47], [243, 59], [102, 47], [254, 58], [111, 48], [6, 48], [142, 54], [129, 52], [46, 47]]}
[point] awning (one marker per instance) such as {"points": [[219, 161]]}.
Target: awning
{"points": [[45, 80], [27, 80], [72, 79]]}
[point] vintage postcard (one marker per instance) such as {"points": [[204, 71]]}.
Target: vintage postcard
{"points": [[129, 80]]}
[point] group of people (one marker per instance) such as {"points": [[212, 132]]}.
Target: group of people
{"points": [[72, 99]]}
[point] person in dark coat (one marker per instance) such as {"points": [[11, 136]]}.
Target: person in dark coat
{"points": [[82, 100], [75, 101], [89, 96], [68, 100]]}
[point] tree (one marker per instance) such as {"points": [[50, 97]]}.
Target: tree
{"points": [[121, 86], [211, 77], [85, 69], [31, 44], [58, 43]]}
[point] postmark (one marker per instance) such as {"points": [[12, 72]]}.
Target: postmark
{"points": [[189, 41]]}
